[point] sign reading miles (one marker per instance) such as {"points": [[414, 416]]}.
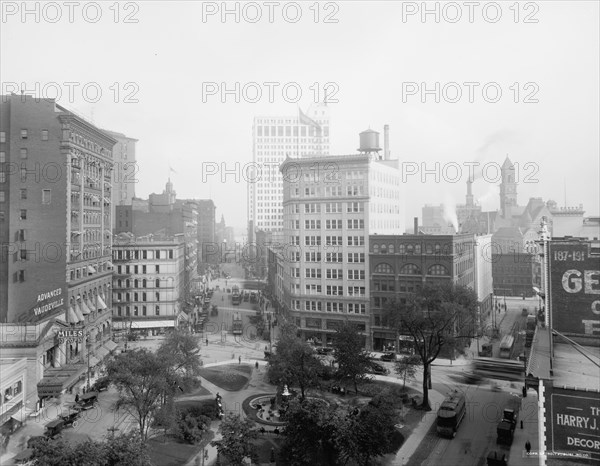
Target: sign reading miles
{"points": [[575, 287]]}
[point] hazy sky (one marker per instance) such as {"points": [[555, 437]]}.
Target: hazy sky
{"points": [[161, 64]]}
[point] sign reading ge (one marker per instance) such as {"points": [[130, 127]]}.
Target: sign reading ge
{"points": [[575, 281]]}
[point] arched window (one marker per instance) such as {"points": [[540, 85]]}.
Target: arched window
{"points": [[410, 269], [384, 268], [410, 248], [437, 269], [401, 249], [376, 248], [383, 249], [157, 283], [391, 249]]}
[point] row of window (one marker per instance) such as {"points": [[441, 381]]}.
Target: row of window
{"points": [[411, 269], [330, 191], [136, 269], [24, 194], [137, 254], [352, 224], [143, 283], [332, 257], [378, 248], [25, 135], [335, 290], [126, 297], [317, 306], [126, 310]]}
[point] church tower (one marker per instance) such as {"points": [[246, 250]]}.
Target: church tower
{"points": [[508, 188]]}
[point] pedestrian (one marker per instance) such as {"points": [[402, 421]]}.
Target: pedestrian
{"points": [[77, 398], [240, 359], [207, 342], [256, 365], [528, 446]]}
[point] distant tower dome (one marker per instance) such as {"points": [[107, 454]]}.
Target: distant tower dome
{"points": [[369, 142]]}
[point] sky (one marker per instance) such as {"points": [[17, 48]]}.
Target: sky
{"points": [[455, 85]]}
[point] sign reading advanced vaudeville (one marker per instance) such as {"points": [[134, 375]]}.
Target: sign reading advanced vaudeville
{"points": [[573, 423], [575, 287]]}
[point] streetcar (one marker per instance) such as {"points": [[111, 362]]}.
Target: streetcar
{"points": [[451, 413], [238, 327], [499, 369], [506, 346]]}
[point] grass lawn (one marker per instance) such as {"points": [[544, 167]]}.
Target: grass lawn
{"points": [[230, 377], [200, 391], [166, 451]]}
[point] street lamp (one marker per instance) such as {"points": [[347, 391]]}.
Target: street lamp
{"points": [[269, 321], [88, 346]]}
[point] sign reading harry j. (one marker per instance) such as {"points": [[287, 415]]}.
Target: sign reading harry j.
{"points": [[575, 286], [573, 423]]}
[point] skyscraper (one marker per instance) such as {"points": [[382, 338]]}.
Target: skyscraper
{"points": [[274, 138]]}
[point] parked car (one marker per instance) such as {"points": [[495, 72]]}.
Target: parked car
{"points": [[101, 384], [388, 357], [88, 400], [54, 428], [378, 369], [71, 418]]}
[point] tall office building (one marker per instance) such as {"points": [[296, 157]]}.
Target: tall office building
{"points": [[55, 218], [274, 138], [328, 217]]}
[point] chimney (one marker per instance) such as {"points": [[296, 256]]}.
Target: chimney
{"points": [[386, 142], [416, 223], [469, 192]]}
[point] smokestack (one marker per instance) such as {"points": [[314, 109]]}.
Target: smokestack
{"points": [[469, 192], [386, 142], [416, 223]]}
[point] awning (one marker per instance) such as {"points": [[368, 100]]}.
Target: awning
{"points": [[22, 414], [58, 379], [110, 345], [144, 324], [78, 312], [72, 316], [75, 233], [94, 361], [91, 304], [91, 269], [85, 310], [101, 304], [109, 263], [101, 352]]}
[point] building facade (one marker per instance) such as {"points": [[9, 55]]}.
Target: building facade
{"points": [[206, 231], [55, 206], [328, 215], [149, 283], [13, 403], [125, 171], [401, 264]]}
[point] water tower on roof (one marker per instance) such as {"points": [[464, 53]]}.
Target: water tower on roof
{"points": [[369, 143]]}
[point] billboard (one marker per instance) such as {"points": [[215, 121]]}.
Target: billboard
{"points": [[572, 424], [574, 287]]}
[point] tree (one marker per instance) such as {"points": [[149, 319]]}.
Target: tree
{"points": [[304, 432], [437, 316], [123, 450], [142, 379], [294, 362], [183, 351], [406, 367], [236, 442], [349, 353]]}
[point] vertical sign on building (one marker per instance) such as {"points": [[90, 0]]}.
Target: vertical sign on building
{"points": [[575, 287]]}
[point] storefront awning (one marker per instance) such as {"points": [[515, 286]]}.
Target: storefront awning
{"points": [[101, 304], [94, 361], [72, 316], [91, 269], [91, 304], [78, 312], [22, 414], [110, 345], [140, 324], [56, 380], [109, 263], [101, 352], [85, 310]]}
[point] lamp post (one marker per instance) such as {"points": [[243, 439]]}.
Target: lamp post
{"points": [[88, 346], [269, 321]]}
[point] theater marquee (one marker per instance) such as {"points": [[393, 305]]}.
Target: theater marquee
{"points": [[575, 287]]}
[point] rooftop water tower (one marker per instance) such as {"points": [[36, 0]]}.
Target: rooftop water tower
{"points": [[369, 143]]}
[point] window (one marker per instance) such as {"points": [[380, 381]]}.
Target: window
{"points": [[22, 235], [383, 284], [356, 257], [334, 257], [335, 307], [157, 269], [295, 272], [157, 283], [23, 153], [44, 135], [356, 224], [21, 275], [312, 256], [46, 196], [333, 207], [356, 240], [335, 290], [156, 296], [312, 305], [135, 310], [356, 308], [410, 269], [355, 207], [157, 310], [2, 196], [2, 136], [437, 269], [2, 177], [333, 224], [313, 289], [312, 224], [312, 240], [144, 296], [335, 274], [2, 216], [23, 192], [23, 214], [144, 310], [2, 157], [23, 134], [355, 274], [384, 268], [356, 291], [333, 241], [312, 273]]}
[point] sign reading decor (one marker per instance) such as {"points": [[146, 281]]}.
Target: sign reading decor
{"points": [[70, 336], [573, 424], [575, 287]]}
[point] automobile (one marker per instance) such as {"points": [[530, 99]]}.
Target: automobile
{"points": [[53, 428], [88, 400], [471, 378], [101, 384], [388, 357], [324, 350], [71, 418], [378, 369]]}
